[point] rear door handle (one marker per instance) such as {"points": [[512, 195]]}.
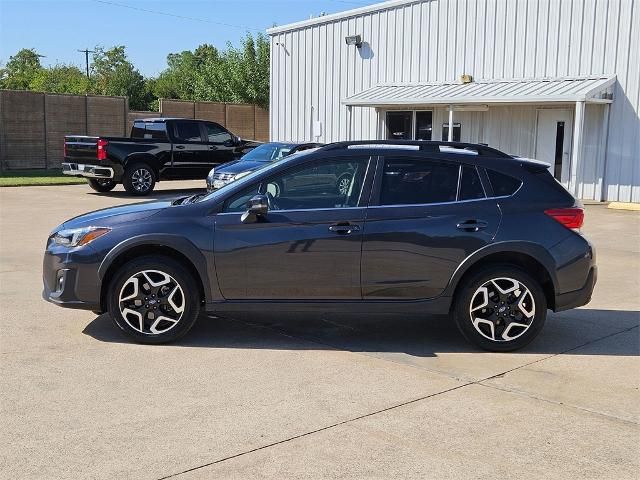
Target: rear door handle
{"points": [[472, 225], [179, 147], [212, 147], [344, 228]]}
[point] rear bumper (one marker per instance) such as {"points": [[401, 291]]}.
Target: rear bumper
{"points": [[87, 171], [579, 297]]}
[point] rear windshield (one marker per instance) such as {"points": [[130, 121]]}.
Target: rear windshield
{"points": [[503, 185], [149, 130]]}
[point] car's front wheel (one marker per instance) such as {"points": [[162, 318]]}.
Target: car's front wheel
{"points": [[500, 308], [154, 299], [101, 185]]}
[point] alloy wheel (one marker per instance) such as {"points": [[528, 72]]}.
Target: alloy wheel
{"points": [[343, 185], [152, 302], [141, 179], [502, 309]]}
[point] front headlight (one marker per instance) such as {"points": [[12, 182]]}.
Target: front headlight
{"points": [[76, 237], [240, 175]]}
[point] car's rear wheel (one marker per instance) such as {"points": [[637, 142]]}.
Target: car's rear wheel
{"points": [[154, 299], [139, 179], [101, 185], [500, 308], [343, 183]]}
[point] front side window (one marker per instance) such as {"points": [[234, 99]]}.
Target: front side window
{"points": [[217, 134], [415, 181], [187, 132], [319, 185], [238, 202]]}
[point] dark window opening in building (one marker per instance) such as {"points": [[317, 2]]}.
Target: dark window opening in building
{"points": [[399, 125], [456, 132], [557, 167], [424, 126]]}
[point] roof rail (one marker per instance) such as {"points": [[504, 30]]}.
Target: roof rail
{"points": [[424, 145]]}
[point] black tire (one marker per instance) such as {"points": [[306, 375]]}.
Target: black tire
{"points": [[101, 185], [494, 331], [139, 179], [187, 298]]}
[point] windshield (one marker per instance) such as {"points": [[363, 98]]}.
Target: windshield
{"points": [[268, 152]]}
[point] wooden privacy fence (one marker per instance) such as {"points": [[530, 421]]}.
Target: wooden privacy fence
{"points": [[33, 124]]}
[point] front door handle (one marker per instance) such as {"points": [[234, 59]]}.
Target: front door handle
{"points": [[212, 147], [179, 147], [344, 228], [472, 225]]}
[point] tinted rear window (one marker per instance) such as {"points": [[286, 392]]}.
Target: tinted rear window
{"points": [[503, 185], [155, 131], [187, 132], [470, 186], [414, 181]]}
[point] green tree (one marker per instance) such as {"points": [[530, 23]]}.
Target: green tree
{"points": [[113, 74], [234, 75], [60, 79], [248, 71], [20, 69]]}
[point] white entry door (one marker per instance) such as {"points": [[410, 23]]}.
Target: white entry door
{"points": [[553, 142]]}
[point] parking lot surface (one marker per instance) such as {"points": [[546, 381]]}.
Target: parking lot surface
{"points": [[298, 397]]}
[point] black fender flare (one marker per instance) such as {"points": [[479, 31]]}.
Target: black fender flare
{"points": [[531, 249], [147, 158], [175, 242]]}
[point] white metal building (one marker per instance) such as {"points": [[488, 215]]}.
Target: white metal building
{"points": [[557, 80]]}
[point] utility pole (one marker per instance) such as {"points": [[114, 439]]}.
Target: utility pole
{"points": [[86, 52]]}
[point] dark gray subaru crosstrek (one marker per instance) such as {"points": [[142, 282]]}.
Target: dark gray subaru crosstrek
{"points": [[424, 228]]}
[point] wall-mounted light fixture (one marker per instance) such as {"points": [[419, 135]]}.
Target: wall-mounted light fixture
{"points": [[354, 40]]}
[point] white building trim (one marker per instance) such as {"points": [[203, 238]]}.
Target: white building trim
{"points": [[579, 89]]}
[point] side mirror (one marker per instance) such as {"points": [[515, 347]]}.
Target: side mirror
{"points": [[257, 207]]}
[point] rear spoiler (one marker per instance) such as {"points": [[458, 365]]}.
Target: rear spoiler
{"points": [[532, 164]]}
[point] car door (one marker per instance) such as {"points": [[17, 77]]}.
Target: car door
{"points": [[190, 150], [425, 218], [220, 143], [308, 245]]}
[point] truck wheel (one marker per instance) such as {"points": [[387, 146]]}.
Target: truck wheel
{"points": [[500, 308], [139, 179], [153, 299], [101, 184]]}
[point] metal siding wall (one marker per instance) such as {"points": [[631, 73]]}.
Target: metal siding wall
{"points": [[491, 39]]}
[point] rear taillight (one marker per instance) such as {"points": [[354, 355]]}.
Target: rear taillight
{"points": [[65, 148], [569, 217], [102, 149]]}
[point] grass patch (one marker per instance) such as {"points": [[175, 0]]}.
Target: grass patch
{"points": [[23, 178]]}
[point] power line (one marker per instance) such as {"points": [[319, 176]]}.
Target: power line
{"points": [[183, 17]]}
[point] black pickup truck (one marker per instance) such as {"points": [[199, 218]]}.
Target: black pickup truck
{"points": [[158, 149]]}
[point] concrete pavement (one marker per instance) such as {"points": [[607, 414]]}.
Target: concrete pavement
{"points": [[327, 397]]}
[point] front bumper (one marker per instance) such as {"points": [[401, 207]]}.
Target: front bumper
{"points": [[70, 277], [87, 171], [214, 184]]}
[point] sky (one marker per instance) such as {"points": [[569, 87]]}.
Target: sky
{"points": [[150, 29]]}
